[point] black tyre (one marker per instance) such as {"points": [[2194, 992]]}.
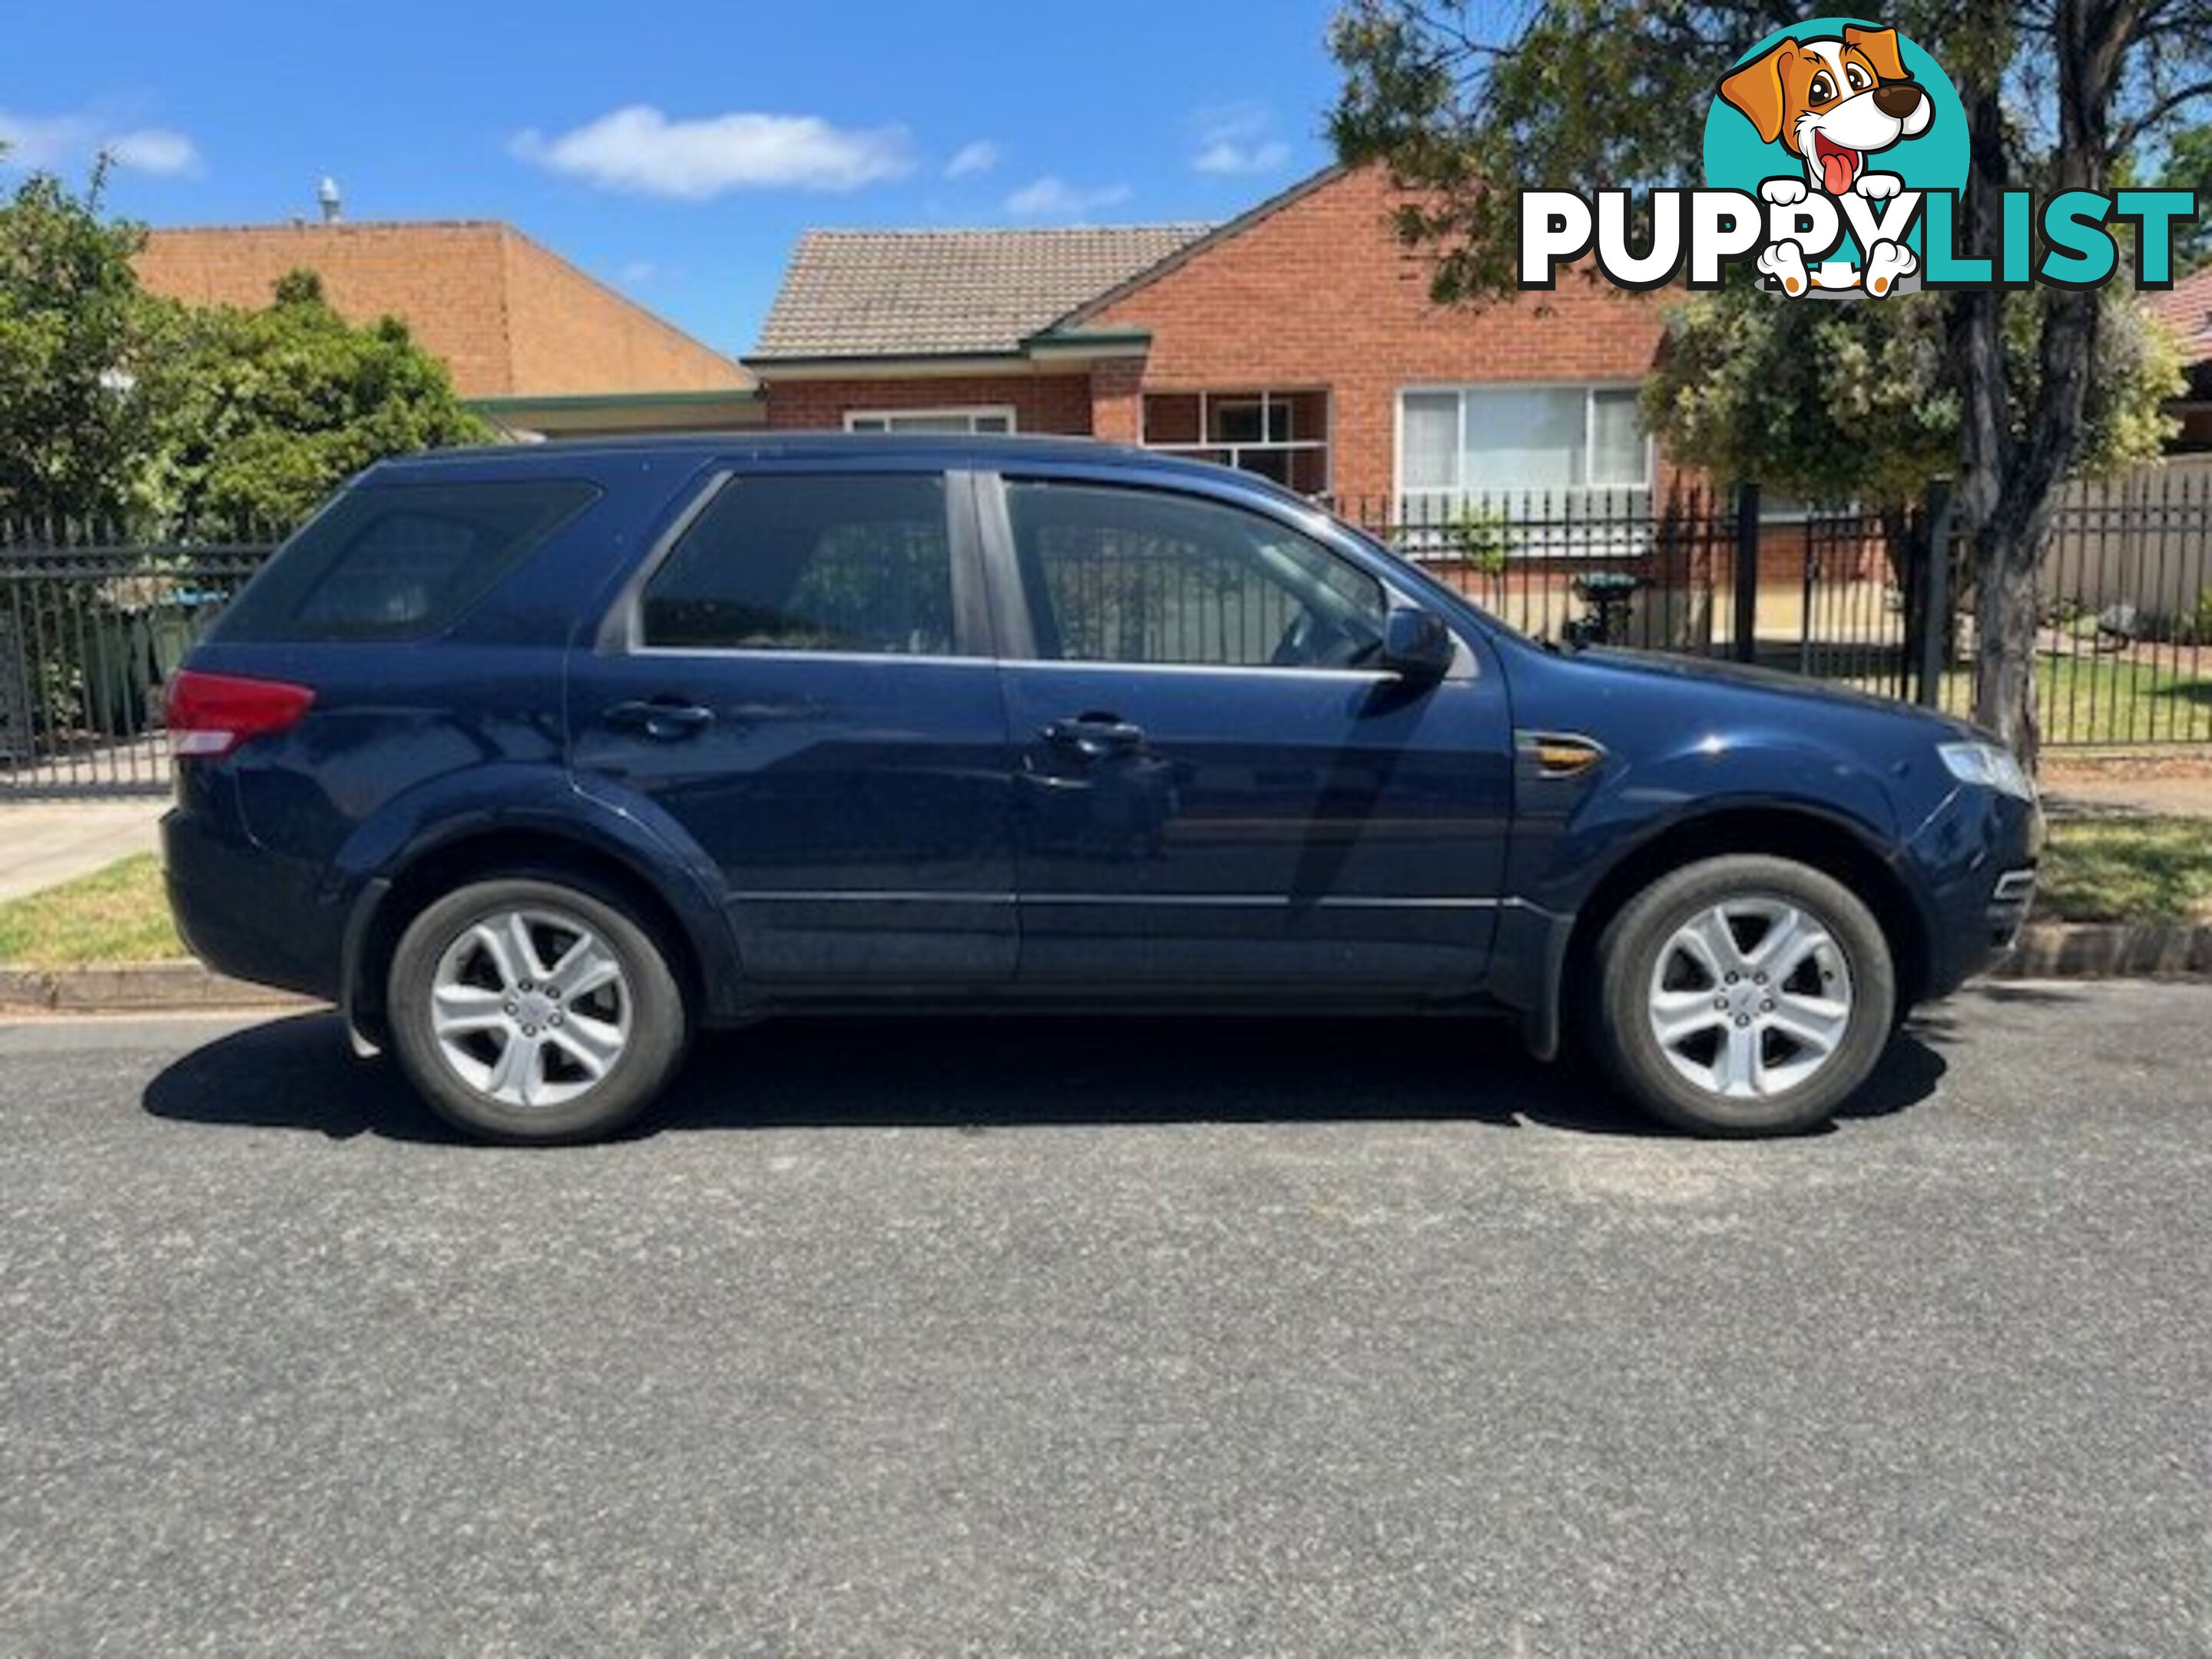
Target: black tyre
{"points": [[1744, 995], [534, 1011]]}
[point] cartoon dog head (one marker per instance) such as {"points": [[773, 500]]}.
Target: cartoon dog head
{"points": [[1832, 102]]}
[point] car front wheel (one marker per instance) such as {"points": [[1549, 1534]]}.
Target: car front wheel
{"points": [[528, 1010], [1743, 995]]}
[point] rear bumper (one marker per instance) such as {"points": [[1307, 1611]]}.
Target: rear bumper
{"points": [[245, 912]]}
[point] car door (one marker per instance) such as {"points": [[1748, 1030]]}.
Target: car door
{"points": [[1215, 784], [800, 681]]}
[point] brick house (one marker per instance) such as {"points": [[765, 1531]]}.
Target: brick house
{"points": [[2185, 309], [1297, 340], [536, 345]]}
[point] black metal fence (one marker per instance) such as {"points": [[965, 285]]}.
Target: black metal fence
{"points": [[1643, 569], [94, 617], [1880, 600], [2126, 647]]}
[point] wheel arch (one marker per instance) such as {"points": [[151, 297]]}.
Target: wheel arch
{"points": [[388, 904], [1814, 839]]}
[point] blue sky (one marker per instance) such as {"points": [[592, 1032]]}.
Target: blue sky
{"points": [[676, 149]]}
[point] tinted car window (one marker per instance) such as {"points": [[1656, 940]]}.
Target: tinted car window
{"points": [[822, 562], [400, 561], [1139, 576]]}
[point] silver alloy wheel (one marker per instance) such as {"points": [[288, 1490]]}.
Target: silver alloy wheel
{"points": [[1751, 997], [531, 1007]]}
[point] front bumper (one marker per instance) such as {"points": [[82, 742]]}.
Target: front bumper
{"points": [[1977, 858], [2010, 900]]}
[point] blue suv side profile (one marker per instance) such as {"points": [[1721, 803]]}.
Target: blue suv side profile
{"points": [[537, 760]]}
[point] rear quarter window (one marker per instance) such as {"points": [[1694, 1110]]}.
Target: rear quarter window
{"points": [[398, 561]]}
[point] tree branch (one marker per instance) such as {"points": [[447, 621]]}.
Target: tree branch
{"points": [[2131, 131]]}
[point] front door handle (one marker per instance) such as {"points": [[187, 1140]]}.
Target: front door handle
{"points": [[1094, 736], [665, 720]]}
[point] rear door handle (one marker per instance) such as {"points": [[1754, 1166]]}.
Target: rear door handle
{"points": [[665, 720], [1094, 735]]}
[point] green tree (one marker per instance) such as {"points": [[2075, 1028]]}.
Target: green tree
{"points": [[271, 409], [1836, 402], [1612, 94], [77, 350], [2188, 166]]}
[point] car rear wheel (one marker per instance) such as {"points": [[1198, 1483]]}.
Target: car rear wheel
{"points": [[529, 1010], [1743, 995]]}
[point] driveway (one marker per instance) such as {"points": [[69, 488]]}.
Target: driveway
{"points": [[1052, 1339]]}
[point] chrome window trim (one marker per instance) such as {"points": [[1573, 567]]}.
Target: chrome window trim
{"points": [[724, 653], [1209, 901]]}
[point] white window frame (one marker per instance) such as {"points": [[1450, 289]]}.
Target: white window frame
{"points": [[1560, 541], [969, 412], [1268, 401], [1459, 389]]}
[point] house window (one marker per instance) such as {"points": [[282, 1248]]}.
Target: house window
{"points": [[1283, 436], [1513, 441], [997, 417]]}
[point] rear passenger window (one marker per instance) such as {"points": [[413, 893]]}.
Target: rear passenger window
{"points": [[819, 562], [398, 561]]}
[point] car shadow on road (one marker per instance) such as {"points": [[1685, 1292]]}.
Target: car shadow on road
{"points": [[975, 1074]]}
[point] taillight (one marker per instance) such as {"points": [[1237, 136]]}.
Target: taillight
{"points": [[211, 715]]}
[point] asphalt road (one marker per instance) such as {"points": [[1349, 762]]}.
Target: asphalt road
{"points": [[1122, 1339]]}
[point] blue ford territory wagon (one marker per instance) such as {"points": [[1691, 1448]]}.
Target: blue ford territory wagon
{"points": [[537, 760]]}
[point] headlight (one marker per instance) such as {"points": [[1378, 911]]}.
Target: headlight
{"points": [[1991, 765]]}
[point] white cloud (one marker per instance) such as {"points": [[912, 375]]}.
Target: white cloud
{"points": [[1054, 198], [641, 150], [34, 141], [54, 142], [637, 272], [979, 157], [1228, 156], [1233, 139], [154, 149]]}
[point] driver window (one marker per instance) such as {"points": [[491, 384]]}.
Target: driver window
{"points": [[1139, 576]]}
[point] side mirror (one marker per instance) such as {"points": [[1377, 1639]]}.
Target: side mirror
{"points": [[1417, 646]]}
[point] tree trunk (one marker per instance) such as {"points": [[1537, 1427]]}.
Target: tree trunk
{"points": [[2008, 613], [2014, 462]]}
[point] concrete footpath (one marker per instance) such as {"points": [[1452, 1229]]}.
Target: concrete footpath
{"points": [[2092, 795], [43, 843]]}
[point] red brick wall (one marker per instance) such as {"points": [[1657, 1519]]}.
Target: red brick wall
{"points": [[506, 316], [1320, 294], [1041, 403], [1117, 400], [443, 279]]}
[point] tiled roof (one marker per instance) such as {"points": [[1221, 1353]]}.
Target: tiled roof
{"points": [[896, 293], [2186, 309]]}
